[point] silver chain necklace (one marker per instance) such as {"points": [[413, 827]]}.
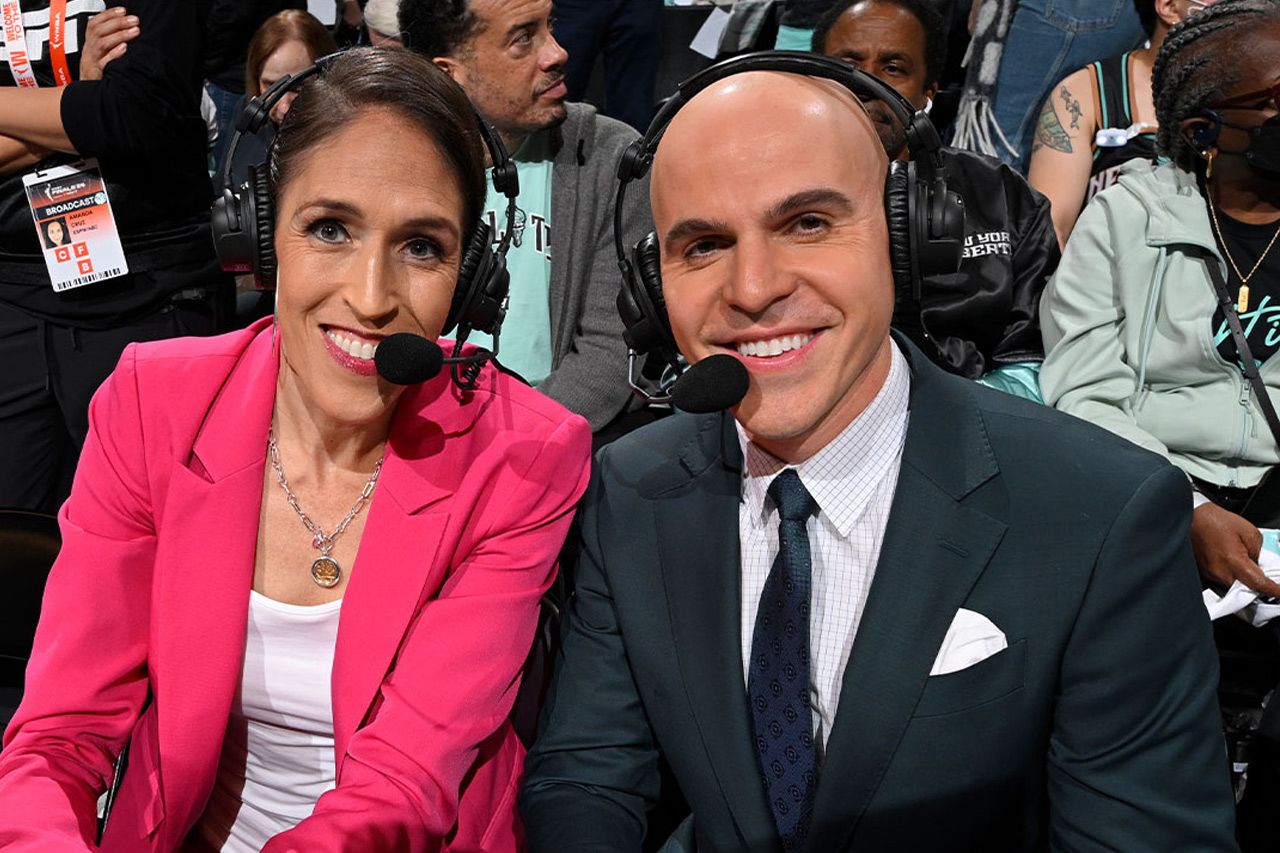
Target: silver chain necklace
{"points": [[325, 571]]}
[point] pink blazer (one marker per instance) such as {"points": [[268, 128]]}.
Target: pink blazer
{"points": [[151, 591]]}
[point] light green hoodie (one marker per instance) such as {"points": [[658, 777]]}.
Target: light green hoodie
{"points": [[1127, 331]]}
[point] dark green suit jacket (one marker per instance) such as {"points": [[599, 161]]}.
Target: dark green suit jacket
{"points": [[1096, 729]]}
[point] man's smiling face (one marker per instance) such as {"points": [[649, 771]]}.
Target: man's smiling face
{"points": [[768, 198]]}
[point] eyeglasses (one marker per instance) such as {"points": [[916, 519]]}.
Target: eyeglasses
{"points": [[1250, 100]]}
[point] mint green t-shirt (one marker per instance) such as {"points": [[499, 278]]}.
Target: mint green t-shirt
{"points": [[525, 346]]}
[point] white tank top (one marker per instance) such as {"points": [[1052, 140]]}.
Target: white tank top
{"points": [[277, 758]]}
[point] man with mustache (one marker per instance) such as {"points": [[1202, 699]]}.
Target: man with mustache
{"points": [[562, 333]]}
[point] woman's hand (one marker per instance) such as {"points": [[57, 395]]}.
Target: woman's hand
{"points": [[106, 39], [1227, 547]]}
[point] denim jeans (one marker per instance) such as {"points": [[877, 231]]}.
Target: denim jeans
{"points": [[628, 34], [1048, 40], [226, 103]]}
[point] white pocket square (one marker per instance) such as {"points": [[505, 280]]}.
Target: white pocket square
{"points": [[972, 638]]}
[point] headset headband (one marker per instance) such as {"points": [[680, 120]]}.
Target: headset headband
{"points": [[923, 140], [257, 112]]}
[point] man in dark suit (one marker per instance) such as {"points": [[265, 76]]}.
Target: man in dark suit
{"points": [[878, 607]]}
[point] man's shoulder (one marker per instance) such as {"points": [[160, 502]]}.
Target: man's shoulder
{"points": [[1059, 455], [662, 453], [588, 135], [970, 173]]}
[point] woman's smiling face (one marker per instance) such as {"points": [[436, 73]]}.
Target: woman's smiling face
{"points": [[364, 250]]}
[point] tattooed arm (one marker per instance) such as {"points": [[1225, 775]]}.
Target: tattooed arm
{"points": [[1063, 151]]}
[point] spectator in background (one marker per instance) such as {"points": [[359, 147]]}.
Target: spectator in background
{"points": [[981, 322], [1017, 57], [1073, 158], [229, 25], [286, 43], [1138, 341], [142, 123], [562, 332], [627, 35], [382, 21]]}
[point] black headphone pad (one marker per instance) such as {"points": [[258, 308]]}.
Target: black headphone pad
{"points": [[261, 219], [483, 283], [898, 187], [648, 328]]}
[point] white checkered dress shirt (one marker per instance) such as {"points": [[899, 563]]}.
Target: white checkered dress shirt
{"points": [[853, 480]]}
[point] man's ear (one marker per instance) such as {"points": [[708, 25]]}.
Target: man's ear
{"points": [[931, 91], [449, 66]]}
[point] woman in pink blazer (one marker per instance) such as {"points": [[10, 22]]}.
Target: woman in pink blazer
{"points": [[282, 688]]}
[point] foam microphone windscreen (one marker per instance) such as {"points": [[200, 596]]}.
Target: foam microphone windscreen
{"points": [[407, 359], [716, 383]]}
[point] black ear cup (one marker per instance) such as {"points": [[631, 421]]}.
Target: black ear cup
{"points": [[244, 229], [647, 329], [232, 240], [262, 220], [483, 284], [937, 225], [897, 212]]}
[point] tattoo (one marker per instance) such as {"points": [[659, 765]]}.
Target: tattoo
{"points": [[1072, 105], [1049, 131]]}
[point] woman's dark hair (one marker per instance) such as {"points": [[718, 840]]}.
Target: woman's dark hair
{"points": [[408, 85], [1197, 63], [935, 32], [437, 27], [280, 28]]}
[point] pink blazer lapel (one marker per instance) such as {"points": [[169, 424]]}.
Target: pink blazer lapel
{"points": [[204, 560], [400, 564]]}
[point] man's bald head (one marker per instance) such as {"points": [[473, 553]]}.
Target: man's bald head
{"points": [[754, 115], [768, 196]]}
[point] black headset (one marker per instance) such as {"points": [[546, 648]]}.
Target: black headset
{"points": [[244, 220], [925, 218]]}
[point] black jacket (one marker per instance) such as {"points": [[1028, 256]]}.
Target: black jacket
{"points": [[142, 122], [987, 313], [1096, 728]]}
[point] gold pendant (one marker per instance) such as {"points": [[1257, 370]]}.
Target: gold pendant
{"points": [[326, 572], [1242, 301]]}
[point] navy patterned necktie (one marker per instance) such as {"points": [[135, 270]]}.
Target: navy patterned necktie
{"points": [[778, 681]]}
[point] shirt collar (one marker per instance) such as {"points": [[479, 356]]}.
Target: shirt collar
{"points": [[867, 447]]}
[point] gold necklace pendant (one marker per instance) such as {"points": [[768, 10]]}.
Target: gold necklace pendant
{"points": [[1242, 301], [326, 572]]}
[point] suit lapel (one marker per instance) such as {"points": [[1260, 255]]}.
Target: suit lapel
{"points": [[934, 550], [697, 519]]}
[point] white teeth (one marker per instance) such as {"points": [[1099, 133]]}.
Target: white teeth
{"points": [[773, 346], [352, 347]]}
